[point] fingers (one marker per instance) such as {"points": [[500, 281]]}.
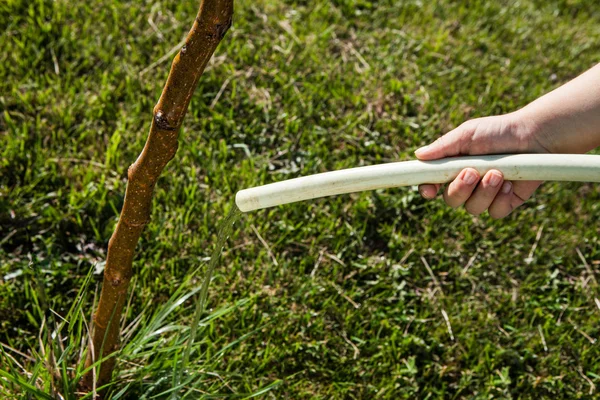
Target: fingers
{"points": [[511, 196], [485, 193], [459, 190], [429, 191], [492, 193], [503, 203]]}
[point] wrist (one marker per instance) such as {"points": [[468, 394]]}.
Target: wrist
{"points": [[531, 132], [554, 132]]}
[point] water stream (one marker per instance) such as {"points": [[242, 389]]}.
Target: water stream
{"points": [[224, 231]]}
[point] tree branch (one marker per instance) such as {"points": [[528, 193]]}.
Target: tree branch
{"points": [[211, 24]]}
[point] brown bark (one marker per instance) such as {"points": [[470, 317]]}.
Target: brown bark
{"points": [[211, 24]]}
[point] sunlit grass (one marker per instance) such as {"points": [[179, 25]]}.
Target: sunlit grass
{"points": [[338, 303]]}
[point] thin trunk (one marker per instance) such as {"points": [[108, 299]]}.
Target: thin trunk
{"points": [[211, 24]]}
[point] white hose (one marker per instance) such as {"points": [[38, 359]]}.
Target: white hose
{"points": [[515, 167]]}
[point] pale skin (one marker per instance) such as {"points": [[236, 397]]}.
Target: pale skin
{"points": [[566, 120]]}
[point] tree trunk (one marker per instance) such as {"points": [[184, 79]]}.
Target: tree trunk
{"points": [[211, 24]]}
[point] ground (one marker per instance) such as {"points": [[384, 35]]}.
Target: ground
{"points": [[373, 295]]}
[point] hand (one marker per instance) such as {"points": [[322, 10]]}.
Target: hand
{"points": [[491, 135]]}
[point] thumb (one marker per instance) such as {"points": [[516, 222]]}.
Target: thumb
{"points": [[449, 145]]}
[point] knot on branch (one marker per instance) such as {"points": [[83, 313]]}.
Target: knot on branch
{"points": [[223, 28], [135, 225], [219, 29], [161, 121], [119, 284]]}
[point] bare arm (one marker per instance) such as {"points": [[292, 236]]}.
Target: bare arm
{"points": [[567, 120]]}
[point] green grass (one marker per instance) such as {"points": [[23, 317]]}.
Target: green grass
{"points": [[340, 305]]}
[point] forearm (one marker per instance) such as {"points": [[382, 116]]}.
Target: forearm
{"points": [[567, 120]]}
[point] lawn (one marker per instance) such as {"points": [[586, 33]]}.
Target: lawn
{"points": [[372, 295]]}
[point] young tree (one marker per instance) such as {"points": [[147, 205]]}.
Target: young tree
{"points": [[211, 23]]}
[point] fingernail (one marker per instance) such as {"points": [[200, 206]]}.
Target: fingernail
{"points": [[421, 149], [469, 177], [506, 187], [495, 180]]}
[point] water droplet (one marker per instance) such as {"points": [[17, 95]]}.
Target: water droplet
{"points": [[183, 49]]}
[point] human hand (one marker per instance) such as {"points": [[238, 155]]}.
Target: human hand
{"points": [[565, 120], [490, 135]]}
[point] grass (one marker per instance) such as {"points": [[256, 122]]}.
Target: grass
{"points": [[338, 303]]}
